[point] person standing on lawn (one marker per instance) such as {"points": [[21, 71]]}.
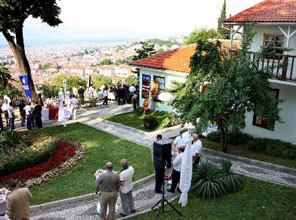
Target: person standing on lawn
{"points": [[18, 202], [108, 186], [1, 122], [74, 106], [126, 189]]}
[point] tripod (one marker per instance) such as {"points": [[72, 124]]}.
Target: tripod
{"points": [[162, 202]]}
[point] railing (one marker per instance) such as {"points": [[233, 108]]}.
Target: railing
{"points": [[282, 66]]}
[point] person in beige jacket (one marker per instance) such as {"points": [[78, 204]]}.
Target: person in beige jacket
{"points": [[18, 202]]}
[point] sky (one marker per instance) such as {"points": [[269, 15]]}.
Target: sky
{"points": [[132, 19]]}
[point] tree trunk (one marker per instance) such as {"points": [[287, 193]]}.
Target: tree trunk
{"points": [[224, 139], [18, 50]]}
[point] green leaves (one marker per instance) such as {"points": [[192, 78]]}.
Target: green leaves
{"points": [[210, 182]]}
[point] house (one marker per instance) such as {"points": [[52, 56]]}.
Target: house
{"points": [[274, 22], [173, 65]]}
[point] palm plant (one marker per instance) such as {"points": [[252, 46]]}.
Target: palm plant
{"points": [[232, 182], [206, 181]]}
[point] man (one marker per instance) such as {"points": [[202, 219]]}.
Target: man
{"points": [[10, 116], [108, 185], [196, 149], [177, 163], [81, 94], [22, 112], [1, 122], [33, 115], [74, 106], [135, 101], [158, 137], [178, 142], [18, 202], [126, 189], [105, 96], [28, 112], [132, 89], [38, 114], [4, 108]]}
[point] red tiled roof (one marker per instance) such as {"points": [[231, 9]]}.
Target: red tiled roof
{"points": [[267, 11], [175, 60]]}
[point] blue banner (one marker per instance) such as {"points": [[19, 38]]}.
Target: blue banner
{"points": [[25, 83]]}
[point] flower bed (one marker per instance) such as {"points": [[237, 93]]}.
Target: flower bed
{"points": [[65, 151]]}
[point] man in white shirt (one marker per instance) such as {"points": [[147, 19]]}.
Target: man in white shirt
{"points": [[74, 106], [4, 108], [28, 110], [126, 189], [105, 96], [132, 89], [10, 116], [177, 163], [178, 142], [196, 149]]}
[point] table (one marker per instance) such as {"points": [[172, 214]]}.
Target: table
{"points": [[53, 113], [45, 114]]}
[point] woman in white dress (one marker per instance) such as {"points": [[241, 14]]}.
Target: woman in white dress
{"points": [[61, 117]]}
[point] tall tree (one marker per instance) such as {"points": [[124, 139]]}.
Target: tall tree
{"points": [[234, 85], [222, 31], [202, 34], [6, 88], [147, 50], [13, 14]]}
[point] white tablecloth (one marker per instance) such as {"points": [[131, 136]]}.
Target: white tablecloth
{"points": [[45, 114]]}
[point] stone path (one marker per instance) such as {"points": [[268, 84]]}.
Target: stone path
{"points": [[144, 195]]}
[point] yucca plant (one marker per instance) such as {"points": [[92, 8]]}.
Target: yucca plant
{"points": [[232, 182], [206, 182]]}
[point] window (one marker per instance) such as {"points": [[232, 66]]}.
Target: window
{"points": [[276, 42], [146, 81], [262, 122], [160, 83]]}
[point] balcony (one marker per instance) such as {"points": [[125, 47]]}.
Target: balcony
{"points": [[282, 66]]}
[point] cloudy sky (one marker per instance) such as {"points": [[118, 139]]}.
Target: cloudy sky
{"points": [[133, 19]]}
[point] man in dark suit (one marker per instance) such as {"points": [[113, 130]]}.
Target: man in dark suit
{"points": [[38, 115]]}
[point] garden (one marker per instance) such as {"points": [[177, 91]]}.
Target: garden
{"points": [[150, 121]]}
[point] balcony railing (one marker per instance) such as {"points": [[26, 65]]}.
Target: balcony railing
{"points": [[282, 66]]}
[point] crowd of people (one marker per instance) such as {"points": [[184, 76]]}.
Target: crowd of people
{"points": [[178, 148]]}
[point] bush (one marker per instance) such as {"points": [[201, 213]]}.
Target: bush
{"points": [[206, 181], [9, 140], [150, 122], [238, 138], [39, 152], [232, 182], [214, 136]]}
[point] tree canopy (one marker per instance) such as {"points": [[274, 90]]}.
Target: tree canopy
{"points": [[222, 88], [202, 34], [13, 14], [99, 80], [147, 50], [6, 88], [131, 80], [222, 31]]}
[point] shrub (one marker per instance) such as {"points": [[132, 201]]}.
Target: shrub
{"points": [[238, 138], [92, 103], [150, 122], [257, 145], [39, 152], [9, 140], [214, 136], [232, 182], [206, 182]]}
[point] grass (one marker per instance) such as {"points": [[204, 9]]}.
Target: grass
{"points": [[257, 201], [101, 147], [135, 120], [243, 151]]}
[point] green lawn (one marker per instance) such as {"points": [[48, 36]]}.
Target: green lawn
{"points": [[243, 151], [257, 201], [135, 120], [101, 147]]}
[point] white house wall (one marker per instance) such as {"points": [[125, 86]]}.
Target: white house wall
{"points": [[259, 37], [168, 83], [283, 131]]}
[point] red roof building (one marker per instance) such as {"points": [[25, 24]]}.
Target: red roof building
{"points": [[270, 11]]}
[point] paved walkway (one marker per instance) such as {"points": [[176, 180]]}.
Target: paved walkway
{"points": [[144, 194]]}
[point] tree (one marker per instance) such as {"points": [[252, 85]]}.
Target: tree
{"points": [[106, 62], [147, 50], [98, 81], [131, 80], [201, 34], [234, 85], [6, 88], [13, 14], [71, 81], [222, 31]]}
